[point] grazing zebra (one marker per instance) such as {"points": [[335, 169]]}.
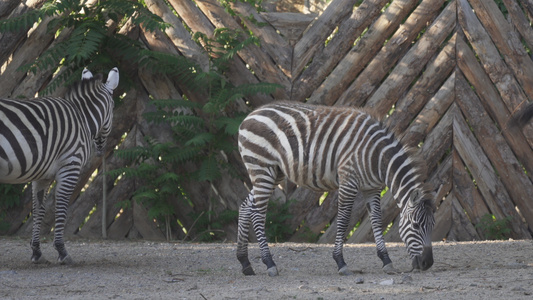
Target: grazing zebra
{"points": [[47, 139], [328, 148]]}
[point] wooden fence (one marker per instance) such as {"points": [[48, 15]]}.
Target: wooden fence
{"points": [[446, 74]]}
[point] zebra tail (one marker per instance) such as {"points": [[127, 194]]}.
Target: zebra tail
{"points": [[522, 117]]}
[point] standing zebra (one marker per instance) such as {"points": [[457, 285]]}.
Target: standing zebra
{"points": [[47, 139], [329, 148]]}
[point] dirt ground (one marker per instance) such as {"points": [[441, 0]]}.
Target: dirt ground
{"points": [[155, 270]]}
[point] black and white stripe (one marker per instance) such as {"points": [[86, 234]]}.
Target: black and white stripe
{"points": [[329, 148], [49, 139]]}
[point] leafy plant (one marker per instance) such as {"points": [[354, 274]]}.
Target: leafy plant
{"points": [[203, 133], [494, 229], [94, 41]]}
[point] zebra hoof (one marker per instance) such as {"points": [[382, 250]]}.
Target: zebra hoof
{"points": [[345, 272], [67, 260], [273, 271], [389, 269], [248, 271], [39, 260]]}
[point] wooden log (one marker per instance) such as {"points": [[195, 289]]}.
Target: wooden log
{"points": [[305, 200], [259, 65], [7, 6], [290, 25], [520, 21], [429, 116], [195, 19], [10, 40], [36, 43], [178, 34], [466, 192], [444, 177], [317, 33], [500, 74], [147, 227], [471, 69], [363, 52], [317, 219], [413, 62], [501, 156], [438, 141], [122, 225], [494, 192], [325, 60], [435, 74], [443, 220], [34, 83], [461, 229], [271, 42], [489, 56], [528, 7], [507, 41]]}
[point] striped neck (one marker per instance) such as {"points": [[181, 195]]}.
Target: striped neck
{"points": [[400, 173], [93, 101]]}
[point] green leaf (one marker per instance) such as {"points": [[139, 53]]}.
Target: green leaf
{"points": [[209, 170], [200, 139]]}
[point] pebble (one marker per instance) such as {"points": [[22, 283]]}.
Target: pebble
{"points": [[387, 282], [406, 279], [359, 280]]}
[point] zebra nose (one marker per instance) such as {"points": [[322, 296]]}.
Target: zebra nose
{"points": [[424, 261]]}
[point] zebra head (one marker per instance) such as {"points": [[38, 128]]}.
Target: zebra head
{"points": [[110, 85], [416, 226]]}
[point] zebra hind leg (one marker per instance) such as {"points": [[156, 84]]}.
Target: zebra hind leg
{"points": [[242, 236], [39, 196], [64, 187], [248, 213], [374, 210]]}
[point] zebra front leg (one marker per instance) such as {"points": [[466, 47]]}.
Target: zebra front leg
{"points": [[38, 209], [374, 210], [258, 222], [243, 235]]}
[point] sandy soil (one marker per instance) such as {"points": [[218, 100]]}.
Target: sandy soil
{"points": [[154, 270]]}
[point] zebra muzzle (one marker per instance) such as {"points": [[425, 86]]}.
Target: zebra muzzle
{"points": [[423, 261]]}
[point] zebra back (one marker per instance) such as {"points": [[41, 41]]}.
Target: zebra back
{"points": [[314, 145]]}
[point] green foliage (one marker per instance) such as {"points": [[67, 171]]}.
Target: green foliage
{"points": [[203, 133], [276, 228], [494, 229], [94, 41], [10, 195]]}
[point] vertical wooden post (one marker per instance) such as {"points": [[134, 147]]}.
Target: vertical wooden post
{"points": [[104, 202]]}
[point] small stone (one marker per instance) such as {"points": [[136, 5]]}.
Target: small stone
{"points": [[334, 289], [406, 279], [359, 280], [387, 282]]}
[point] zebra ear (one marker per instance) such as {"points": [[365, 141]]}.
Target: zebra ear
{"points": [[112, 79], [86, 74]]}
